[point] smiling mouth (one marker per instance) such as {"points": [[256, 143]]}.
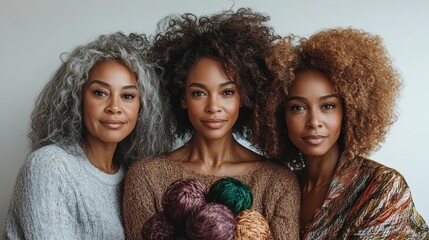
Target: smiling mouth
{"points": [[314, 140], [214, 123], [112, 124]]}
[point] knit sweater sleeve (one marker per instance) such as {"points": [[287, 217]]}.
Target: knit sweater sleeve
{"points": [[137, 203], [42, 202], [284, 222]]}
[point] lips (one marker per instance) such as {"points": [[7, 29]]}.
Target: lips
{"points": [[214, 123], [112, 124], [314, 139]]}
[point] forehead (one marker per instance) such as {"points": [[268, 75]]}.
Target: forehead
{"points": [[311, 83], [111, 67], [207, 70]]}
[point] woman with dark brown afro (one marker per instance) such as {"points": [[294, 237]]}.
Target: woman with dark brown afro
{"points": [[214, 71], [325, 116]]}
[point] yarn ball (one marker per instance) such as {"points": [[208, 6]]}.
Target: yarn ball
{"points": [[181, 197], [252, 225], [157, 228], [232, 193], [211, 221]]}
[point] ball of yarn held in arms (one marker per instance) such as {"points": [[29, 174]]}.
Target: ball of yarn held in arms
{"points": [[232, 193], [211, 221], [181, 197], [252, 225], [158, 228]]}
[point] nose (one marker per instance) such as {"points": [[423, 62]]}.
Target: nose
{"points": [[113, 105], [314, 119], [213, 105]]}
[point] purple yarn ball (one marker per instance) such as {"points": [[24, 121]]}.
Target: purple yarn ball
{"points": [[158, 228], [181, 197], [211, 221]]}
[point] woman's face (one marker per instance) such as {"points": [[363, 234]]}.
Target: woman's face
{"points": [[211, 99], [111, 102], [313, 114]]}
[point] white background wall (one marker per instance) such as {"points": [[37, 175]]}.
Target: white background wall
{"points": [[33, 34]]}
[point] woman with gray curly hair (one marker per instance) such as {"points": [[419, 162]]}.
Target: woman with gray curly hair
{"points": [[99, 112]]}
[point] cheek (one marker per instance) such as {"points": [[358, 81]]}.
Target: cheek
{"points": [[338, 125], [233, 106], [293, 127], [293, 123], [337, 121], [193, 108], [90, 111], [133, 111]]}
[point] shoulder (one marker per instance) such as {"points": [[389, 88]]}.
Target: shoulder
{"points": [[49, 150], [277, 175], [48, 159], [46, 170], [381, 173], [158, 162], [380, 182], [276, 169], [145, 168]]}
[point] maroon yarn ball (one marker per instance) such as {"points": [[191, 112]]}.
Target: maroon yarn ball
{"points": [[181, 197], [211, 221], [158, 228]]}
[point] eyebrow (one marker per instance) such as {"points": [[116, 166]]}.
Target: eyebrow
{"points": [[303, 98], [105, 84], [205, 87]]}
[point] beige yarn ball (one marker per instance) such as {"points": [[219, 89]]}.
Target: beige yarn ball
{"points": [[251, 225]]}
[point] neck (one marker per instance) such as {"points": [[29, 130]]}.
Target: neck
{"points": [[320, 170], [216, 157], [101, 155], [212, 152]]}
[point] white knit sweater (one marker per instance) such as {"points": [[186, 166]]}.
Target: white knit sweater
{"points": [[62, 196]]}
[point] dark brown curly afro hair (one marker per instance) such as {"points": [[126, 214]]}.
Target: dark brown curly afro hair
{"points": [[361, 71], [238, 40]]}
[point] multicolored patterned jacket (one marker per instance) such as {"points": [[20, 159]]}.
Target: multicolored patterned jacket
{"points": [[366, 200]]}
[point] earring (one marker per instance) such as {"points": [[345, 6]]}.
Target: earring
{"points": [[297, 163]]}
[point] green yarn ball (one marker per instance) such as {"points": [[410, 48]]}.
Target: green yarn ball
{"points": [[232, 193]]}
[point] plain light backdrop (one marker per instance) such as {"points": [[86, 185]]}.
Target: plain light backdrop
{"points": [[35, 33]]}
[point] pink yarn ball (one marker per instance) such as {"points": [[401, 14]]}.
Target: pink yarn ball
{"points": [[181, 197], [211, 221], [158, 228]]}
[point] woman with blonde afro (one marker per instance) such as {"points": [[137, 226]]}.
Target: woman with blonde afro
{"points": [[323, 117]]}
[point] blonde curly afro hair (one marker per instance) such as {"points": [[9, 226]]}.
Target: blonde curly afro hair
{"points": [[361, 71]]}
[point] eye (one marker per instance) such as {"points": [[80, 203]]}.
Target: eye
{"points": [[100, 93], [197, 93], [228, 92], [297, 108], [129, 96], [328, 106]]}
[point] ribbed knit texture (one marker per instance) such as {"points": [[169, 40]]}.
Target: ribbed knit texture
{"points": [[275, 191], [62, 196]]}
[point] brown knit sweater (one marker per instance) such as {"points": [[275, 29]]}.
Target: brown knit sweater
{"points": [[275, 194]]}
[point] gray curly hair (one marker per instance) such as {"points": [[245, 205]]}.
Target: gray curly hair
{"points": [[57, 115]]}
